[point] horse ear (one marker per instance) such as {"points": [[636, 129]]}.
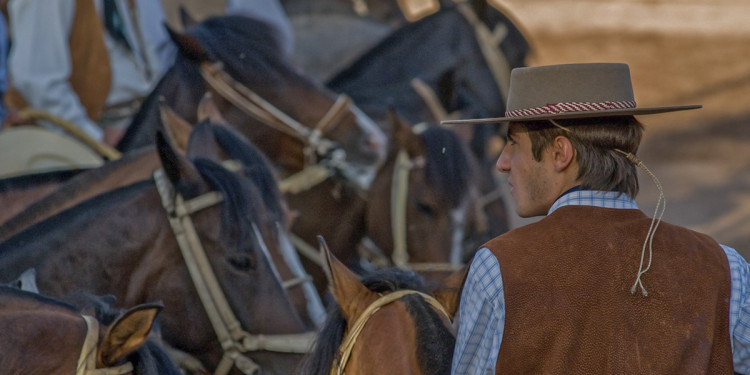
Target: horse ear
{"points": [[188, 45], [180, 171], [209, 110], [127, 333], [449, 292], [175, 127], [404, 135], [186, 18], [348, 291], [203, 143]]}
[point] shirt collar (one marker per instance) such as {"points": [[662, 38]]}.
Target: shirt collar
{"points": [[597, 198]]}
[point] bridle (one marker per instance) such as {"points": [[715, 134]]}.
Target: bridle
{"points": [[347, 345], [330, 157], [235, 341], [87, 358], [399, 196]]}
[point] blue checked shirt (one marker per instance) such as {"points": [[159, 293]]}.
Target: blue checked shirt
{"points": [[482, 309]]}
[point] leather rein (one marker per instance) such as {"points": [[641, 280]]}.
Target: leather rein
{"points": [[347, 345], [233, 339]]}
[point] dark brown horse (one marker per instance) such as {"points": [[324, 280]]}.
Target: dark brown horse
{"points": [[124, 243], [387, 323], [47, 336], [422, 201], [292, 118]]}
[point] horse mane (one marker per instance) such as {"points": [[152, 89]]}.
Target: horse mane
{"points": [[239, 42], [256, 165], [42, 178], [447, 163], [431, 359], [75, 184]]}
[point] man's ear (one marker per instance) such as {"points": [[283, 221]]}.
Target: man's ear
{"points": [[563, 153]]}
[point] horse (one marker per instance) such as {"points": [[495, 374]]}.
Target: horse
{"points": [[387, 323], [421, 201], [17, 193], [43, 335], [208, 138], [292, 118], [194, 238]]}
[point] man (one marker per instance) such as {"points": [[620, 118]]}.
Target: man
{"points": [[92, 62], [596, 286]]}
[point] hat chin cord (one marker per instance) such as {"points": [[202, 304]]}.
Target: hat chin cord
{"points": [[661, 206]]}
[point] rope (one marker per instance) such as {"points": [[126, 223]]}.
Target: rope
{"points": [[655, 220], [345, 350], [99, 147]]}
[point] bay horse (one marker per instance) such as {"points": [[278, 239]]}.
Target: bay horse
{"points": [[291, 117], [43, 335], [419, 207], [208, 139], [387, 323], [203, 254]]}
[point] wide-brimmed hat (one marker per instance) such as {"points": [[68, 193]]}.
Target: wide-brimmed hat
{"points": [[571, 91]]}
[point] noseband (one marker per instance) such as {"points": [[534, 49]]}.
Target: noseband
{"points": [[345, 350]]}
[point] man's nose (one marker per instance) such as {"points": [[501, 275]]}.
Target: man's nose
{"points": [[503, 162]]}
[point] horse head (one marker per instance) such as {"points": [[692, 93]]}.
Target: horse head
{"points": [[292, 117], [420, 199], [116, 343], [388, 315]]}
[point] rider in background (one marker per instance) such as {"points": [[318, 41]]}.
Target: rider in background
{"points": [[92, 62]]}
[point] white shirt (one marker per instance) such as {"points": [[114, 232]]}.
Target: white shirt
{"points": [[39, 62]]}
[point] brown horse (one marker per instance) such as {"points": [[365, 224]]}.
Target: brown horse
{"points": [[387, 323], [216, 278], [292, 118], [47, 336], [215, 141], [422, 201]]}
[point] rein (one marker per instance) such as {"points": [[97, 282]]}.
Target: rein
{"points": [[233, 339], [87, 359], [345, 350], [315, 144]]}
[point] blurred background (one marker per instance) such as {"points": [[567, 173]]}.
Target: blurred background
{"points": [[679, 52]]}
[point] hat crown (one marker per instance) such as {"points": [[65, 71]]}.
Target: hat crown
{"points": [[536, 87]]}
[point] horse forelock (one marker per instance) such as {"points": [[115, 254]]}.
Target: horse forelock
{"points": [[239, 41], [447, 165]]}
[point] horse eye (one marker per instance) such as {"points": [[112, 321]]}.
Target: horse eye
{"points": [[242, 262], [425, 209]]}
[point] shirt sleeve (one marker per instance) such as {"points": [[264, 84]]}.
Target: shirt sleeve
{"points": [[39, 62], [739, 310], [481, 317]]}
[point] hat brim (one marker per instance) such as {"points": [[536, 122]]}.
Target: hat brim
{"points": [[579, 114]]}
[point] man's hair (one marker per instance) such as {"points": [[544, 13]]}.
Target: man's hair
{"points": [[595, 140]]}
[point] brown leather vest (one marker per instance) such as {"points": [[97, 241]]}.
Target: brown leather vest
{"points": [[569, 309], [91, 74]]}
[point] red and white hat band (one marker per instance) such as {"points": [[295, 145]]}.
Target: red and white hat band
{"points": [[551, 109]]}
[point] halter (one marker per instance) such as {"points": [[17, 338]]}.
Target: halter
{"points": [[233, 339], [87, 359], [345, 350], [399, 194], [315, 144]]}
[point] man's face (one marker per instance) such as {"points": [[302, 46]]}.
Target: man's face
{"points": [[530, 181]]}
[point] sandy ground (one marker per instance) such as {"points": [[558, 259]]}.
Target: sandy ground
{"points": [[679, 52]]}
